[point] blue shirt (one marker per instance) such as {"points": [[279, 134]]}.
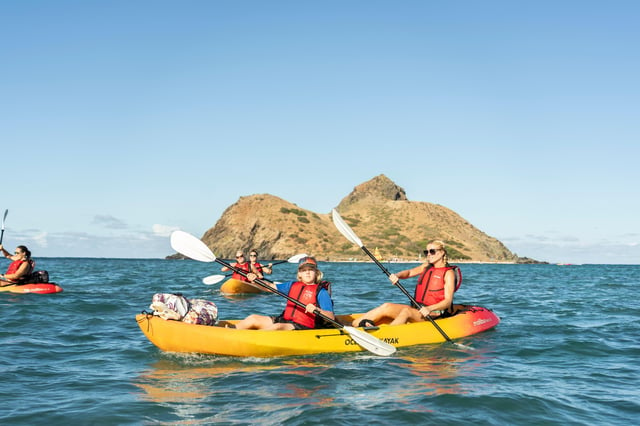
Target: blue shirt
{"points": [[324, 300]]}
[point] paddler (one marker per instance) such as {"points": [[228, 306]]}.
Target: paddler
{"points": [[309, 289]]}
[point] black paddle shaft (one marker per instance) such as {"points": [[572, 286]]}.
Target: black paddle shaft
{"points": [[404, 290], [275, 290]]}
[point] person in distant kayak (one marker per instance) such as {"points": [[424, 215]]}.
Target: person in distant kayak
{"points": [[436, 284], [309, 289], [241, 263], [256, 267], [20, 267]]}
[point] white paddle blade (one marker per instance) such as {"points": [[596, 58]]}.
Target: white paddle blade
{"points": [[190, 246], [369, 342], [345, 229], [296, 258], [213, 279]]}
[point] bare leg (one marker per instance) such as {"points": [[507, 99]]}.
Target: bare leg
{"points": [[390, 310], [408, 314], [281, 326], [255, 322]]}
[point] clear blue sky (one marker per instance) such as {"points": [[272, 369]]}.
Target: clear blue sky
{"points": [[122, 120]]}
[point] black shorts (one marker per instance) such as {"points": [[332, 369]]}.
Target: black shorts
{"points": [[280, 320]]}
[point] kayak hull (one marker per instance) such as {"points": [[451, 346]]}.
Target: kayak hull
{"points": [[177, 336], [39, 288], [234, 286]]}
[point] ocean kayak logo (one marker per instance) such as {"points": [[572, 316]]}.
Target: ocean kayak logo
{"points": [[481, 321], [389, 340]]}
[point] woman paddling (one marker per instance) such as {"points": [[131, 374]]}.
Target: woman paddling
{"points": [[308, 289], [434, 291], [20, 267], [256, 267]]}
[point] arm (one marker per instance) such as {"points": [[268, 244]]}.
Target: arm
{"points": [[407, 273], [326, 305], [252, 277], [4, 252], [267, 269], [256, 269], [22, 270], [224, 268]]}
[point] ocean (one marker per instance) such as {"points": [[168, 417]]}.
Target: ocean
{"points": [[567, 351]]}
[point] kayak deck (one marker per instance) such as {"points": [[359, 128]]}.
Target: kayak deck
{"points": [[176, 336], [234, 286]]}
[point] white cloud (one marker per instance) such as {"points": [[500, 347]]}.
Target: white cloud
{"points": [[163, 230], [109, 222], [41, 239]]}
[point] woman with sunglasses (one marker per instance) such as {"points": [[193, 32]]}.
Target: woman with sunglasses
{"points": [[434, 291], [241, 263], [256, 267], [20, 267]]}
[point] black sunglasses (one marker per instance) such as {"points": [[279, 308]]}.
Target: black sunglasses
{"points": [[430, 252]]}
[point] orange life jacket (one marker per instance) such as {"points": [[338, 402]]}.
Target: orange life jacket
{"points": [[15, 265], [430, 286]]}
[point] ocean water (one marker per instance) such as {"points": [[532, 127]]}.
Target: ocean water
{"points": [[566, 352]]}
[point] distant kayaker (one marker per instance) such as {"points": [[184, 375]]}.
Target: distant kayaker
{"points": [[256, 267], [434, 291], [309, 289], [20, 267], [241, 263]]}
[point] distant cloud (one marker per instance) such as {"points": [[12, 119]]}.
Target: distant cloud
{"points": [[163, 230], [108, 221], [40, 239]]}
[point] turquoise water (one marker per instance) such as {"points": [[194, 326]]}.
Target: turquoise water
{"points": [[566, 352]]}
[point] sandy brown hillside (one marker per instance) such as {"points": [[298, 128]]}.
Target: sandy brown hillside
{"points": [[379, 213]]}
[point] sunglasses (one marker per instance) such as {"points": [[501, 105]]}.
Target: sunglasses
{"points": [[253, 255], [16, 252], [430, 252], [239, 256]]}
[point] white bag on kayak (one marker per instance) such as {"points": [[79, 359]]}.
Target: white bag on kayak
{"points": [[169, 306], [177, 307]]}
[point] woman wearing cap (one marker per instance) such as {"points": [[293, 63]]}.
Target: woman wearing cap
{"points": [[434, 291], [309, 289]]}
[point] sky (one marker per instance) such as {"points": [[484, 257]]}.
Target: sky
{"points": [[122, 120]]}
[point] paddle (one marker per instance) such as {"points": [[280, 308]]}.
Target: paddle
{"points": [[3, 218], [351, 236], [194, 248], [214, 279]]}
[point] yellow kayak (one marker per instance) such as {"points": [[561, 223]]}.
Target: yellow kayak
{"points": [[177, 336], [234, 286]]}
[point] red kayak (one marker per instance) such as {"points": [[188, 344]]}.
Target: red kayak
{"points": [[40, 288]]}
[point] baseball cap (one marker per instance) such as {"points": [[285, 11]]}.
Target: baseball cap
{"points": [[308, 262]]}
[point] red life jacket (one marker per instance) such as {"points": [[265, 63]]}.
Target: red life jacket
{"points": [[15, 265], [246, 266], [430, 287], [304, 293], [258, 267]]}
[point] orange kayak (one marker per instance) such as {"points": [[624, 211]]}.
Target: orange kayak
{"points": [[233, 286], [39, 288]]}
